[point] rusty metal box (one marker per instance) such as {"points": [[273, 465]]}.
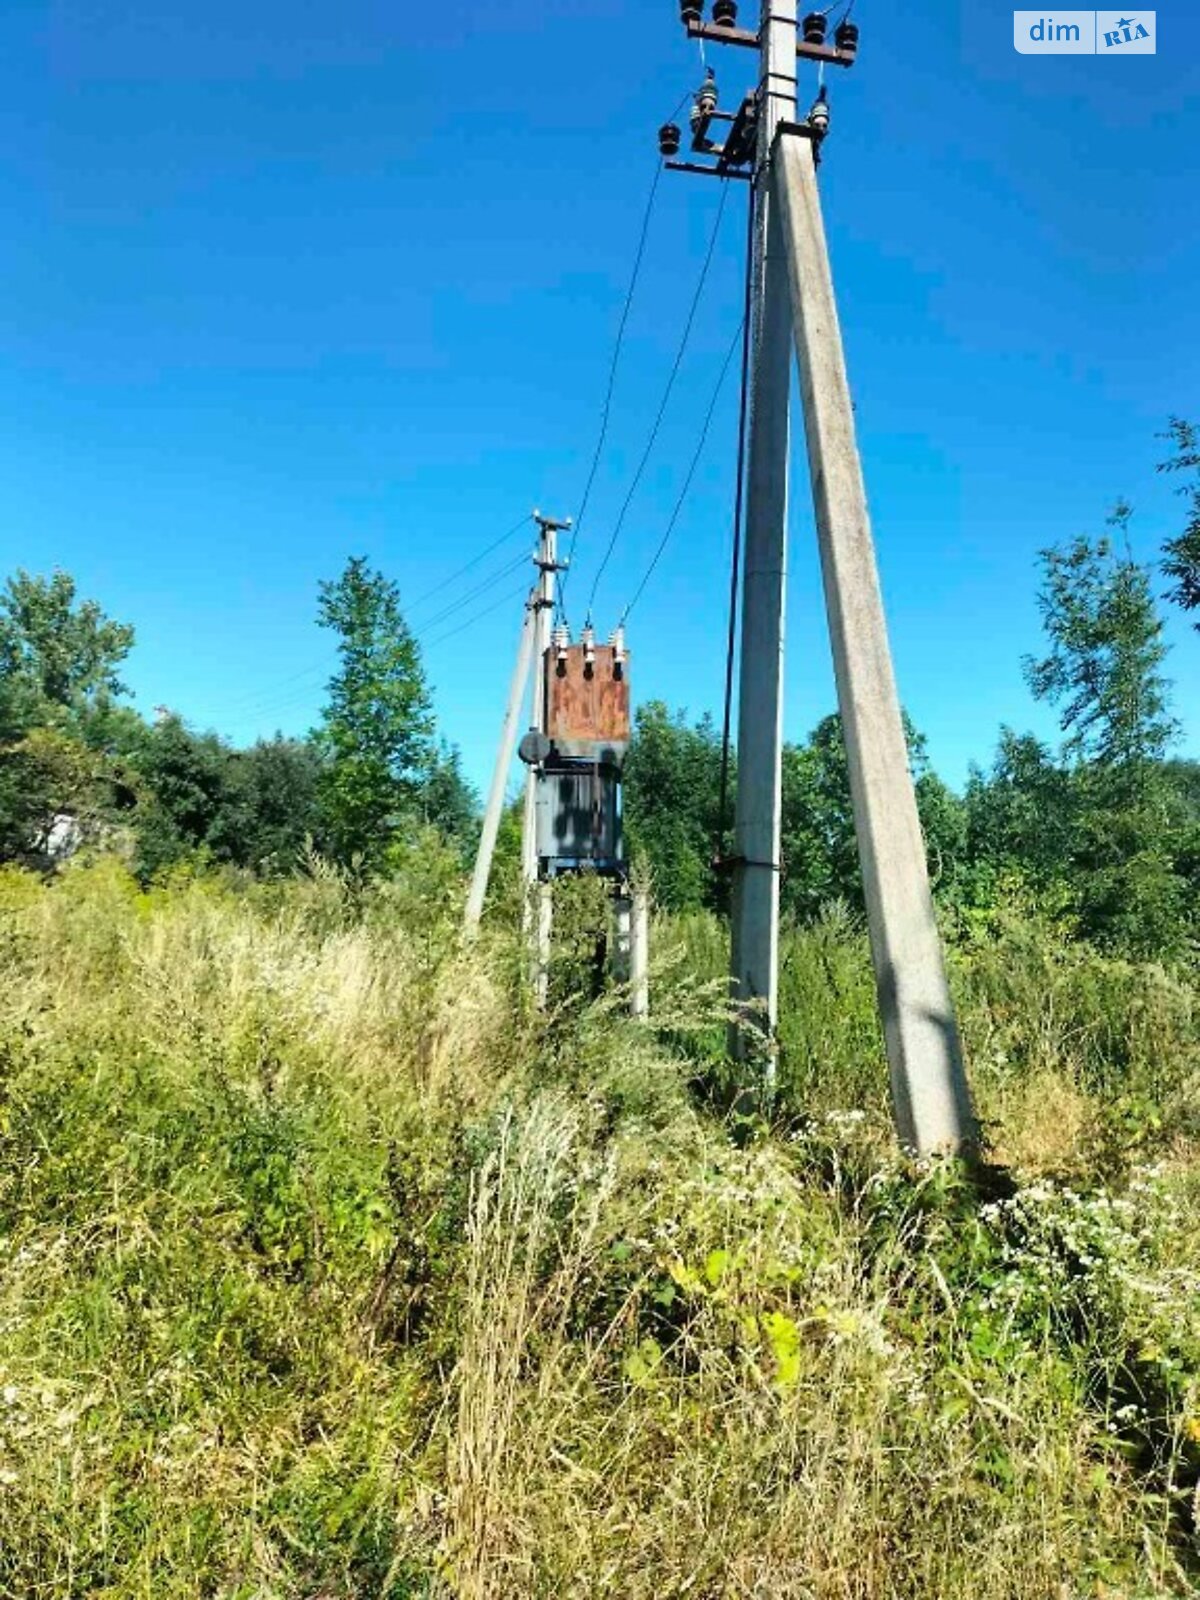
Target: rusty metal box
{"points": [[587, 703]]}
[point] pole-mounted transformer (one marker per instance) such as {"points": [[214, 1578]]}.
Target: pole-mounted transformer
{"points": [[574, 753], [577, 759]]}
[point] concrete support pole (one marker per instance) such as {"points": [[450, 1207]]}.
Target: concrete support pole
{"points": [[622, 945], [504, 760], [543, 615], [544, 911], [639, 954], [757, 817], [930, 1095]]}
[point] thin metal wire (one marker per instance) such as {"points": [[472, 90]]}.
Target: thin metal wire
{"points": [[466, 567], [504, 600], [685, 339], [691, 472], [474, 593], [606, 407], [255, 702]]}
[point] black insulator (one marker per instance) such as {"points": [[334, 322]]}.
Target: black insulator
{"points": [[690, 12], [818, 117], [814, 28], [668, 139], [724, 13], [846, 38]]}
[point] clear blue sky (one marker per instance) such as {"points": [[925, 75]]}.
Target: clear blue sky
{"points": [[287, 282]]}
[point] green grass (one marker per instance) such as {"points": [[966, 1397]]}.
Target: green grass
{"points": [[329, 1270]]}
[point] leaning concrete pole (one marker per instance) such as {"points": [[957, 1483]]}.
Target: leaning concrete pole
{"points": [[930, 1096], [504, 760], [757, 816]]}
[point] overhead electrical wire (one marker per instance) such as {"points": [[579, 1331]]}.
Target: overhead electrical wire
{"points": [[690, 474], [618, 345], [256, 702], [505, 600], [277, 703], [473, 593], [684, 340], [467, 566]]}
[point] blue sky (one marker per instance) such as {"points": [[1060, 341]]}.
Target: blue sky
{"points": [[285, 283]]}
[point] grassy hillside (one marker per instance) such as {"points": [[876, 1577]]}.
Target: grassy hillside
{"points": [[327, 1269]]}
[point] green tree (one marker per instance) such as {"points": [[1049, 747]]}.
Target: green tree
{"points": [[1022, 814], [447, 801], [1182, 554], [46, 775], [57, 653], [1106, 649], [672, 783], [58, 686], [376, 728], [1126, 827], [186, 792], [200, 799], [820, 846], [270, 807]]}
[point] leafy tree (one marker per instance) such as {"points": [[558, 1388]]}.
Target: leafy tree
{"points": [[672, 785], [376, 728], [1021, 814], [820, 846], [44, 776], [198, 797], [186, 792], [1106, 648], [1183, 779], [448, 801], [1124, 826], [1182, 563], [270, 809], [58, 681], [56, 653]]}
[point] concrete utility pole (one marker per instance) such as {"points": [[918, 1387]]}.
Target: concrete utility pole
{"points": [[929, 1087], [791, 282], [543, 608], [539, 905], [504, 760], [631, 946], [757, 816]]}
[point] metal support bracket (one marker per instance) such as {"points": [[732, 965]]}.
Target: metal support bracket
{"points": [[706, 172], [712, 34]]}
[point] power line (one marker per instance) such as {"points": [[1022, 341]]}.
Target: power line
{"points": [[274, 703], [255, 702], [691, 471], [505, 600], [252, 703], [606, 407], [473, 593], [466, 567], [662, 408]]}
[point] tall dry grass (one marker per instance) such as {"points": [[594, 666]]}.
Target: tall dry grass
{"points": [[329, 1271]]}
